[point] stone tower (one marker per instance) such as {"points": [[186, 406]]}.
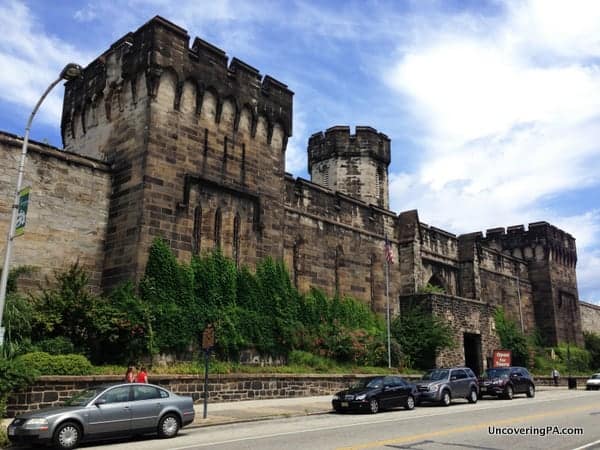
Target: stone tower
{"points": [[551, 257], [196, 144], [353, 164]]}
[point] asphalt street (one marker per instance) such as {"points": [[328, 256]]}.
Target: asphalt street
{"points": [[551, 420]]}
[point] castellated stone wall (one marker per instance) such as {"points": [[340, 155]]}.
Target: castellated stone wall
{"points": [[336, 243], [590, 317], [67, 213]]}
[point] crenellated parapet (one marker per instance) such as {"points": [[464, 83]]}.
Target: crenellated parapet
{"points": [[339, 142], [133, 68], [541, 242]]}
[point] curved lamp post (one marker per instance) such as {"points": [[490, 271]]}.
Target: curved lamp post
{"points": [[70, 72]]}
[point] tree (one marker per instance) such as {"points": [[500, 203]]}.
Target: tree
{"points": [[421, 336]]}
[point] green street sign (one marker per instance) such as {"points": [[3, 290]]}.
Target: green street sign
{"points": [[22, 212]]}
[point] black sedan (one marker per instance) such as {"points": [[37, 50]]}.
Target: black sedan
{"points": [[105, 412], [375, 393]]}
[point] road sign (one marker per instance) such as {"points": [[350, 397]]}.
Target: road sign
{"points": [[208, 337], [22, 211], [502, 358]]}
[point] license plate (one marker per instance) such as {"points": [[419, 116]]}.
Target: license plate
{"points": [[11, 431], [344, 404]]}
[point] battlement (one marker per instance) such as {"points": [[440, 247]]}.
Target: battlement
{"points": [[338, 141], [538, 233], [134, 67]]}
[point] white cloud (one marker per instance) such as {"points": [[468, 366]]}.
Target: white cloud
{"points": [[30, 61], [511, 109]]}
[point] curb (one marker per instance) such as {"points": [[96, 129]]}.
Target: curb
{"points": [[256, 419]]}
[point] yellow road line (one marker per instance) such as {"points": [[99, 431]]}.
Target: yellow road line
{"points": [[478, 426]]}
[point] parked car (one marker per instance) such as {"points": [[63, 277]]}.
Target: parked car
{"points": [[443, 385], [376, 393], [593, 384], [506, 382], [105, 412]]}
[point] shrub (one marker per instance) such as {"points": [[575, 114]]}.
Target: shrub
{"points": [[511, 338], [421, 336], [592, 345], [46, 364], [301, 358], [58, 345], [14, 375], [574, 358]]}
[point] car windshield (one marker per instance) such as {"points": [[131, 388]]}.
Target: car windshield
{"points": [[496, 373], [596, 376], [368, 383], [84, 397], [435, 375]]}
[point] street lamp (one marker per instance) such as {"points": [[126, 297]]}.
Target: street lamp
{"points": [[70, 72]]}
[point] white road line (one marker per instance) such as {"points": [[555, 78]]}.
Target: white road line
{"points": [[591, 444], [370, 422]]}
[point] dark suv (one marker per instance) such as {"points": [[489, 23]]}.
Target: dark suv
{"points": [[506, 382], [442, 385]]}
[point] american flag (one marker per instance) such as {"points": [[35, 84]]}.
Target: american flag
{"points": [[389, 256]]}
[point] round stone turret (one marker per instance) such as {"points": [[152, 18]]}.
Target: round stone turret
{"points": [[353, 164]]}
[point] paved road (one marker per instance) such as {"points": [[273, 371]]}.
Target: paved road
{"points": [[461, 426]]}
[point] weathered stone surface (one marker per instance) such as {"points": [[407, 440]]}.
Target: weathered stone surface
{"points": [[590, 317], [176, 142], [67, 214]]}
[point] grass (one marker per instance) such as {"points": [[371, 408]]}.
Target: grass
{"points": [[219, 367]]}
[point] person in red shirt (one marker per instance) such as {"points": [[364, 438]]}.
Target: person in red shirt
{"points": [[130, 375], [142, 376]]}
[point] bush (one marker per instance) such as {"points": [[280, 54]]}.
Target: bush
{"points": [[421, 336], [511, 338], [59, 345], [592, 345], [574, 358], [14, 375], [46, 364], [300, 358]]}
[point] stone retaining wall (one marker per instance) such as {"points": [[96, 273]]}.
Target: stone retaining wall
{"points": [[52, 390]]}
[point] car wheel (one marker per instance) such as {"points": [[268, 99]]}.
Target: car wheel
{"points": [[531, 391], [446, 399], [374, 406], [473, 396], [508, 393], [67, 436], [410, 402], [168, 426]]}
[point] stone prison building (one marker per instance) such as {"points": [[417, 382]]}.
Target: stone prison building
{"points": [[164, 139]]}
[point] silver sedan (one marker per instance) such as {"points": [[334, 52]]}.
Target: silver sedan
{"points": [[105, 412]]}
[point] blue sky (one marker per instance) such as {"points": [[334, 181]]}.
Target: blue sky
{"points": [[493, 107]]}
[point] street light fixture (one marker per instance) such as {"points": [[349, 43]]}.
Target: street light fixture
{"points": [[70, 72]]}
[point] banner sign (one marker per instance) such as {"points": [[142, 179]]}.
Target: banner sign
{"points": [[22, 211], [502, 358]]}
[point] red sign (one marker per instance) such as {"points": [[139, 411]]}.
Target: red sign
{"points": [[502, 358]]}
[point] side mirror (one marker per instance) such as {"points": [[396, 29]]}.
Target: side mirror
{"points": [[453, 378], [100, 401], [514, 375]]}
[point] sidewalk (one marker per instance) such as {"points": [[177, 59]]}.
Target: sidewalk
{"points": [[252, 410]]}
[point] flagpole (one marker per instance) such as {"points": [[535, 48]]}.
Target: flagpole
{"points": [[387, 298]]}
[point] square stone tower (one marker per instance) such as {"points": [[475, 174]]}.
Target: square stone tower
{"points": [[196, 145]]}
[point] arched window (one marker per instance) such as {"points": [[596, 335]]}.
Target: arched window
{"points": [[197, 230], [217, 236], [437, 281], [372, 281], [339, 253], [236, 239]]}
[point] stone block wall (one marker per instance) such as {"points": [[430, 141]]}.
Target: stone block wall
{"points": [[67, 213], [464, 316], [336, 243], [590, 317], [52, 390]]}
